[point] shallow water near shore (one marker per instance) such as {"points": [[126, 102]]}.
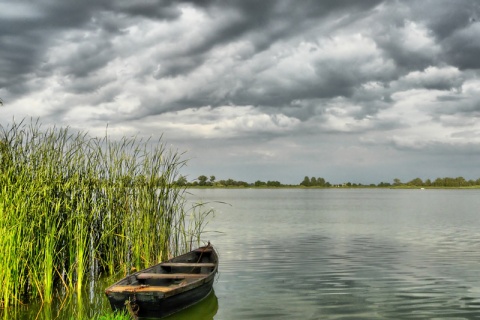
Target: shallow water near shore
{"points": [[329, 254]]}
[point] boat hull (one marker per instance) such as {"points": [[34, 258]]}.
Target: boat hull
{"points": [[155, 305]]}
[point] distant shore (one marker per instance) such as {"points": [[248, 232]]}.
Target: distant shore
{"points": [[327, 188], [321, 183]]}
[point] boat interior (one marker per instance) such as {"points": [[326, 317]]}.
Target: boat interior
{"points": [[177, 272]]}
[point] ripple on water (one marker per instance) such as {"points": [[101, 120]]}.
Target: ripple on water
{"points": [[372, 256], [357, 280]]}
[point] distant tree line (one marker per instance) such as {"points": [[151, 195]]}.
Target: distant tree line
{"points": [[203, 181], [441, 182], [314, 182], [318, 182]]}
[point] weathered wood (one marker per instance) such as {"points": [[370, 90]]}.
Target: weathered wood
{"points": [[146, 276], [140, 288], [188, 264]]}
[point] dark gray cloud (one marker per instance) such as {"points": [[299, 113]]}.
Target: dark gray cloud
{"points": [[445, 18], [369, 79], [27, 29], [455, 27], [265, 22], [463, 49]]}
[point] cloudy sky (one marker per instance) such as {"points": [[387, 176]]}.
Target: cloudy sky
{"points": [[359, 91]]}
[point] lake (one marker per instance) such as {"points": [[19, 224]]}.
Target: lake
{"points": [[346, 253], [331, 254]]}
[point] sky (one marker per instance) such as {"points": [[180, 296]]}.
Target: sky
{"points": [[351, 91]]}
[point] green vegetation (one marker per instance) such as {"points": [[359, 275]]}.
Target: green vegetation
{"points": [[118, 315], [313, 182], [446, 182], [73, 206]]}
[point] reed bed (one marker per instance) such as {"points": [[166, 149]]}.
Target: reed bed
{"points": [[72, 207]]}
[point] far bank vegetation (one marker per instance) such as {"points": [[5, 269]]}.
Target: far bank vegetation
{"points": [[319, 182]]}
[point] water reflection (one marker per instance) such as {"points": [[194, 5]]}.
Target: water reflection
{"points": [[203, 310], [90, 305], [66, 305]]}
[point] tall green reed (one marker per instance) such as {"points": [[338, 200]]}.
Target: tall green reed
{"points": [[72, 206]]}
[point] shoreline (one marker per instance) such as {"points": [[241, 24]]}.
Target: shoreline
{"points": [[335, 188]]}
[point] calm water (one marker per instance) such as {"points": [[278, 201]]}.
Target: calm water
{"points": [[332, 254], [346, 254]]}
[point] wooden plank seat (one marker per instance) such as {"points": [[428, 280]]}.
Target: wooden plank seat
{"points": [[146, 276], [140, 288], [187, 264]]}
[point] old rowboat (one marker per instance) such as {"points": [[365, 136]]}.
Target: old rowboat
{"points": [[167, 287]]}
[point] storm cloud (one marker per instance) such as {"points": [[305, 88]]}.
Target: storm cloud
{"points": [[359, 90]]}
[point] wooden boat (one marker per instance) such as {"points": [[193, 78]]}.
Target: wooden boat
{"points": [[167, 287]]}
